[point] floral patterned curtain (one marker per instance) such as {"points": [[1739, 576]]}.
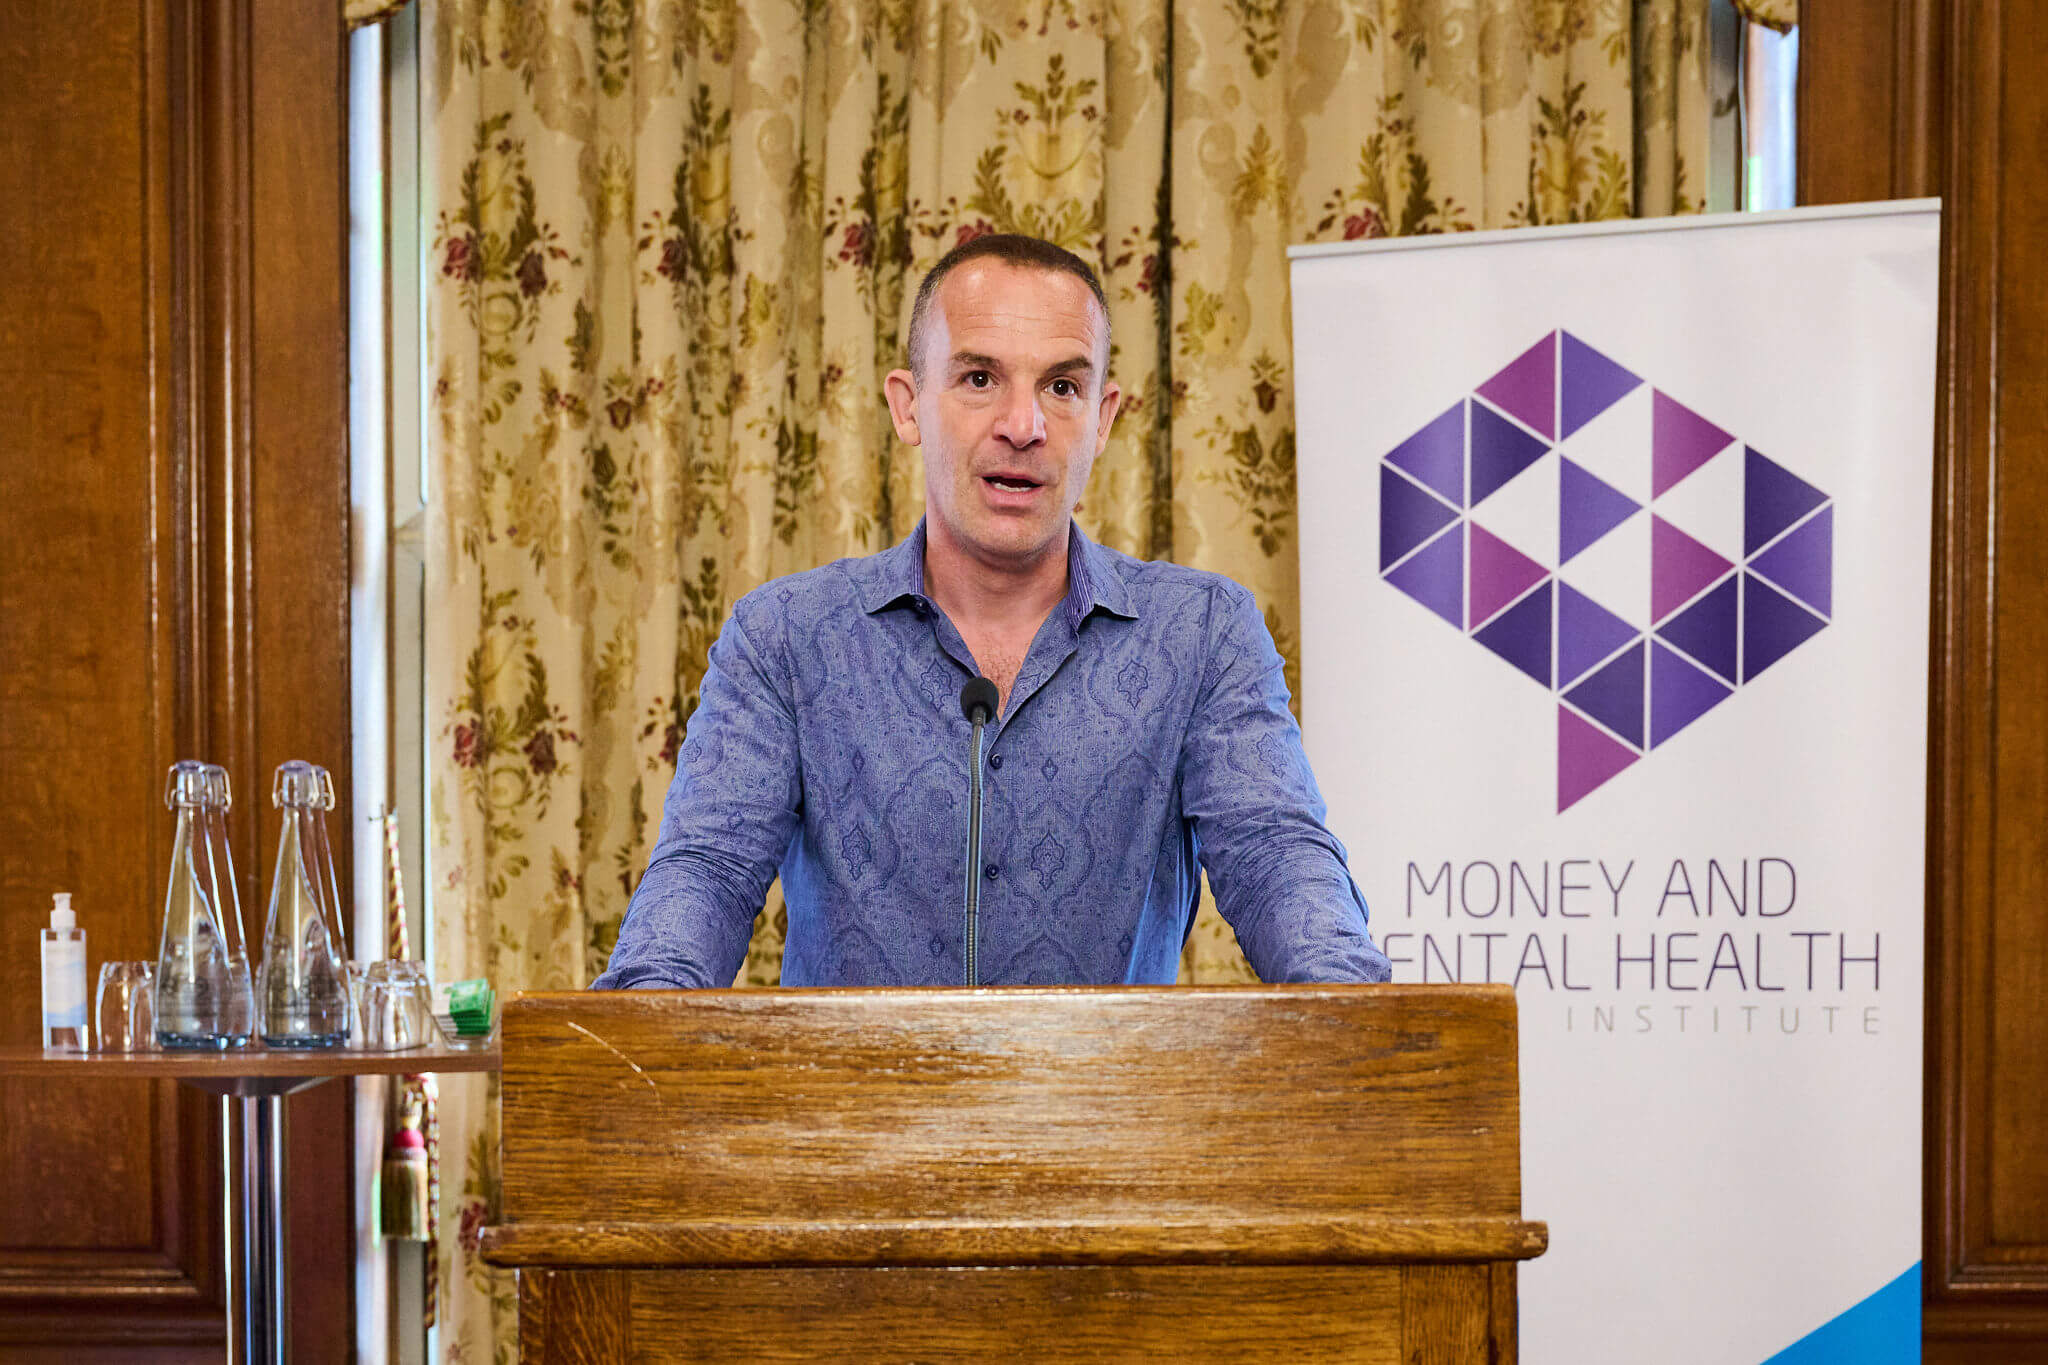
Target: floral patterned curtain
{"points": [[674, 245]]}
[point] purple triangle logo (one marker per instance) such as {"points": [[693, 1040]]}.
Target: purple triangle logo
{"points": [[1521, 635], [1435, 575], [1679, 567], [1587, 758], [1527, 388], [1706, 630], [1587, 509], [1679, 694], [1622, 692], [1586, 633], [1435, 455], [1803, 563], [1591, 384], [1500, 574], [1773, 625], [1772, 498], [1500, 450], [1408, 516], [1614, 695], [1680, 441]]}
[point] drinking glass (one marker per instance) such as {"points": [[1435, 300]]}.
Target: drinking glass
{"points": [[356, 982], [125, 1016], [398, 1004]]}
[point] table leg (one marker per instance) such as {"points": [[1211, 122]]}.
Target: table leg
{"points": [[260, 1298], [235, 1274]]}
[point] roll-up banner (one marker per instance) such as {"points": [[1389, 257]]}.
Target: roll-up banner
{"points": [[1614, 580]]}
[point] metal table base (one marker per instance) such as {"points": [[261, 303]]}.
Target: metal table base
{"points": [[252, 1084], [252, 1117]]}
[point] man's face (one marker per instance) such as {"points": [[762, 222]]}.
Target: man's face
{"points": [[1009, 404]]}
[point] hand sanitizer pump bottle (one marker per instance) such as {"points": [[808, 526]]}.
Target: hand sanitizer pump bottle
{"points": [[203, 999], [64, 1026], [301, 987]]}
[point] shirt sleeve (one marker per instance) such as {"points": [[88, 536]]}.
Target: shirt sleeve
{"points": [[1279, 875], [729, 817]]}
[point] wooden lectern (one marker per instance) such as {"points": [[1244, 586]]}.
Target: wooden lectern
{"points": [[1301, 1173]]}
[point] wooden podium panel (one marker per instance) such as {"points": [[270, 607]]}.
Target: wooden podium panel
{"points": [[1226, 1173]]}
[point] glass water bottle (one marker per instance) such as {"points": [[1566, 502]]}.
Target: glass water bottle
{"points": [[203, 998], [301, 988]]}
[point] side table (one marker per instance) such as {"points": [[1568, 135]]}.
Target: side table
{"points": [[258, 1079]]}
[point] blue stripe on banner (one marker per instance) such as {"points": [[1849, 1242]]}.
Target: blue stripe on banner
{"points": [[1884, 1329]]}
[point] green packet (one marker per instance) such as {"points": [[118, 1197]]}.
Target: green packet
{"points": [[465, 996], [470, 1001]]}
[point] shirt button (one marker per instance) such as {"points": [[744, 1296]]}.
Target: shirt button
{"points": [[996, 761], [992, 871]]}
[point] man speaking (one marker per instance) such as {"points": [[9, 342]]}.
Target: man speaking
{"points": [[1139, 723]]}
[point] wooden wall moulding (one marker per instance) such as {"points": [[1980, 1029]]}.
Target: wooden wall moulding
{"points": [[1870, 89], [1915, 97], [173, 499], [1992, 1237], [107, 1190]]}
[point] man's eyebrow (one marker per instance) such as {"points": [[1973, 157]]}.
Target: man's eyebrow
{"points": [[968, 361]]}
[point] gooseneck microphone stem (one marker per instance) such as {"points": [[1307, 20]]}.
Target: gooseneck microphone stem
{"points": [[973, 931], [979, 700]]}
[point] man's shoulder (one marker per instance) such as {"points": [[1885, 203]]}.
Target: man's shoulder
{"points": [[1158, 583], [840, 586]]}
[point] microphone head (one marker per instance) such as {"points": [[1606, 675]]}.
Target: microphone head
{"points": [[979, 695]]}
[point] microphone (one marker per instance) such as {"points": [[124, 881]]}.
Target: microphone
{"points": [[978, 702], [979, 695]]}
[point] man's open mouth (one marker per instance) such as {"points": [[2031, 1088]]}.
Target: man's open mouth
{"points": [[1010, 483]]}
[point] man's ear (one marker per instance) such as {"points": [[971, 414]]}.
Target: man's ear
{"points": [[1105, 415], [901, 388]]}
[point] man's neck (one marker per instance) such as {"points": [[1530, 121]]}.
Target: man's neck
{"points": [[985, 598]]}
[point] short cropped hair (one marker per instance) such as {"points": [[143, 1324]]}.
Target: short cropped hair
{"points": [[1015, 248]]}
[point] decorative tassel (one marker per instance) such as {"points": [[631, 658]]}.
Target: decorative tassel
{"points": [[412, 1162], [430, 1104], [403, 1211]]}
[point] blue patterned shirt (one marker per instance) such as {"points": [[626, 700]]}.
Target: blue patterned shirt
{"points": [[1147, 728]]}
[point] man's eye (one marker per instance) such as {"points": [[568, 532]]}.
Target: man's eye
{"points": [[979, 379], [1065, 388]]}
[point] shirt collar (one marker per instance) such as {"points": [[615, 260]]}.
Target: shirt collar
{"points": [[1093, 578]]}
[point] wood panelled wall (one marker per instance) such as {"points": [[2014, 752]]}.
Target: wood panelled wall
{"points": [[173, 583], [1950, 97]]}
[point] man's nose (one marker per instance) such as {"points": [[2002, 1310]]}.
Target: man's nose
{"points": [[1021, 422]]}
